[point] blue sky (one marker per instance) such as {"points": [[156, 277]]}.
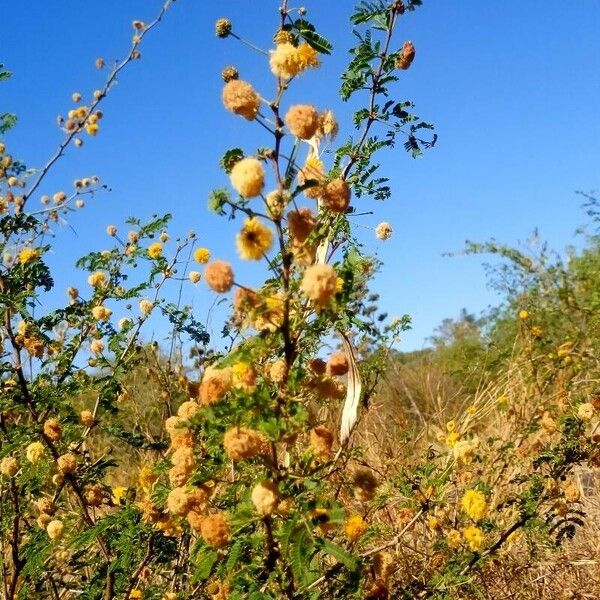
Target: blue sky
{"points": [[511, 87]]}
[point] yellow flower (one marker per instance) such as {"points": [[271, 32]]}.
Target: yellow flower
{"points": [[97, 279], [202, 255], [254, 240], [248, 177], [136, 594], [35, 451], [355, 527], [474, 504], [155, 250], [452, 438], [586, 411], [101, 313], [146, 307], [474, 537], [453, 538], [28, 255], [523, 314], [92, 128], [308, 56], [118, 494]]}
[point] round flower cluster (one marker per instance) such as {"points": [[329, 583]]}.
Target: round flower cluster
{"points": [[265, 497], [254, 240], [303, 121], [219, 276], [336, 195], [383, 231], [319, 284], [474, 504], [248, 177], [241, 443], [287, 60], [241, 98], [215, 384]]}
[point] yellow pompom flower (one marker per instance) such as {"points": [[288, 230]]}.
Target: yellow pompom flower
{"points": [[523, 314], [97, 279], [474, 537], [248, 177], [101, 313], [92, 128], [28, 255], [474, 504], [254, 240], [355, 527], [146, 307], [285, 61], [308, 56], [34, 452], [155, 250], [453, 539], [202, 255], [136, 594]]}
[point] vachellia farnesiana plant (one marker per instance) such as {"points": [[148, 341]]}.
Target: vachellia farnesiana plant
{"points": [[246, 481], [241, 493]]}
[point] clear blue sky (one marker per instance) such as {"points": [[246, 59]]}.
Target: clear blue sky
{"points": [[511, 86]]}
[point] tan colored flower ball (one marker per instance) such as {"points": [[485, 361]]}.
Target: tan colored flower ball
{"points": [[94, 495], [97, 279], [179, 475], [336, 195], [319, 284], [9, 466], [337, 364], [219, 276], [285, 61], [194, 276], [301, 222], [241, 443], [55, 529], [215, 384], [67, 463], [321, 440], [183, 457], [101, 313], [178, 501], [248, 177], [188, 409], [586, 411], [86, 418], [383, 231], [277, 371], [215, 530], [97, 346], [265, 497], [52, 429], [241, 98], [303, 121], [146, 307]]}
